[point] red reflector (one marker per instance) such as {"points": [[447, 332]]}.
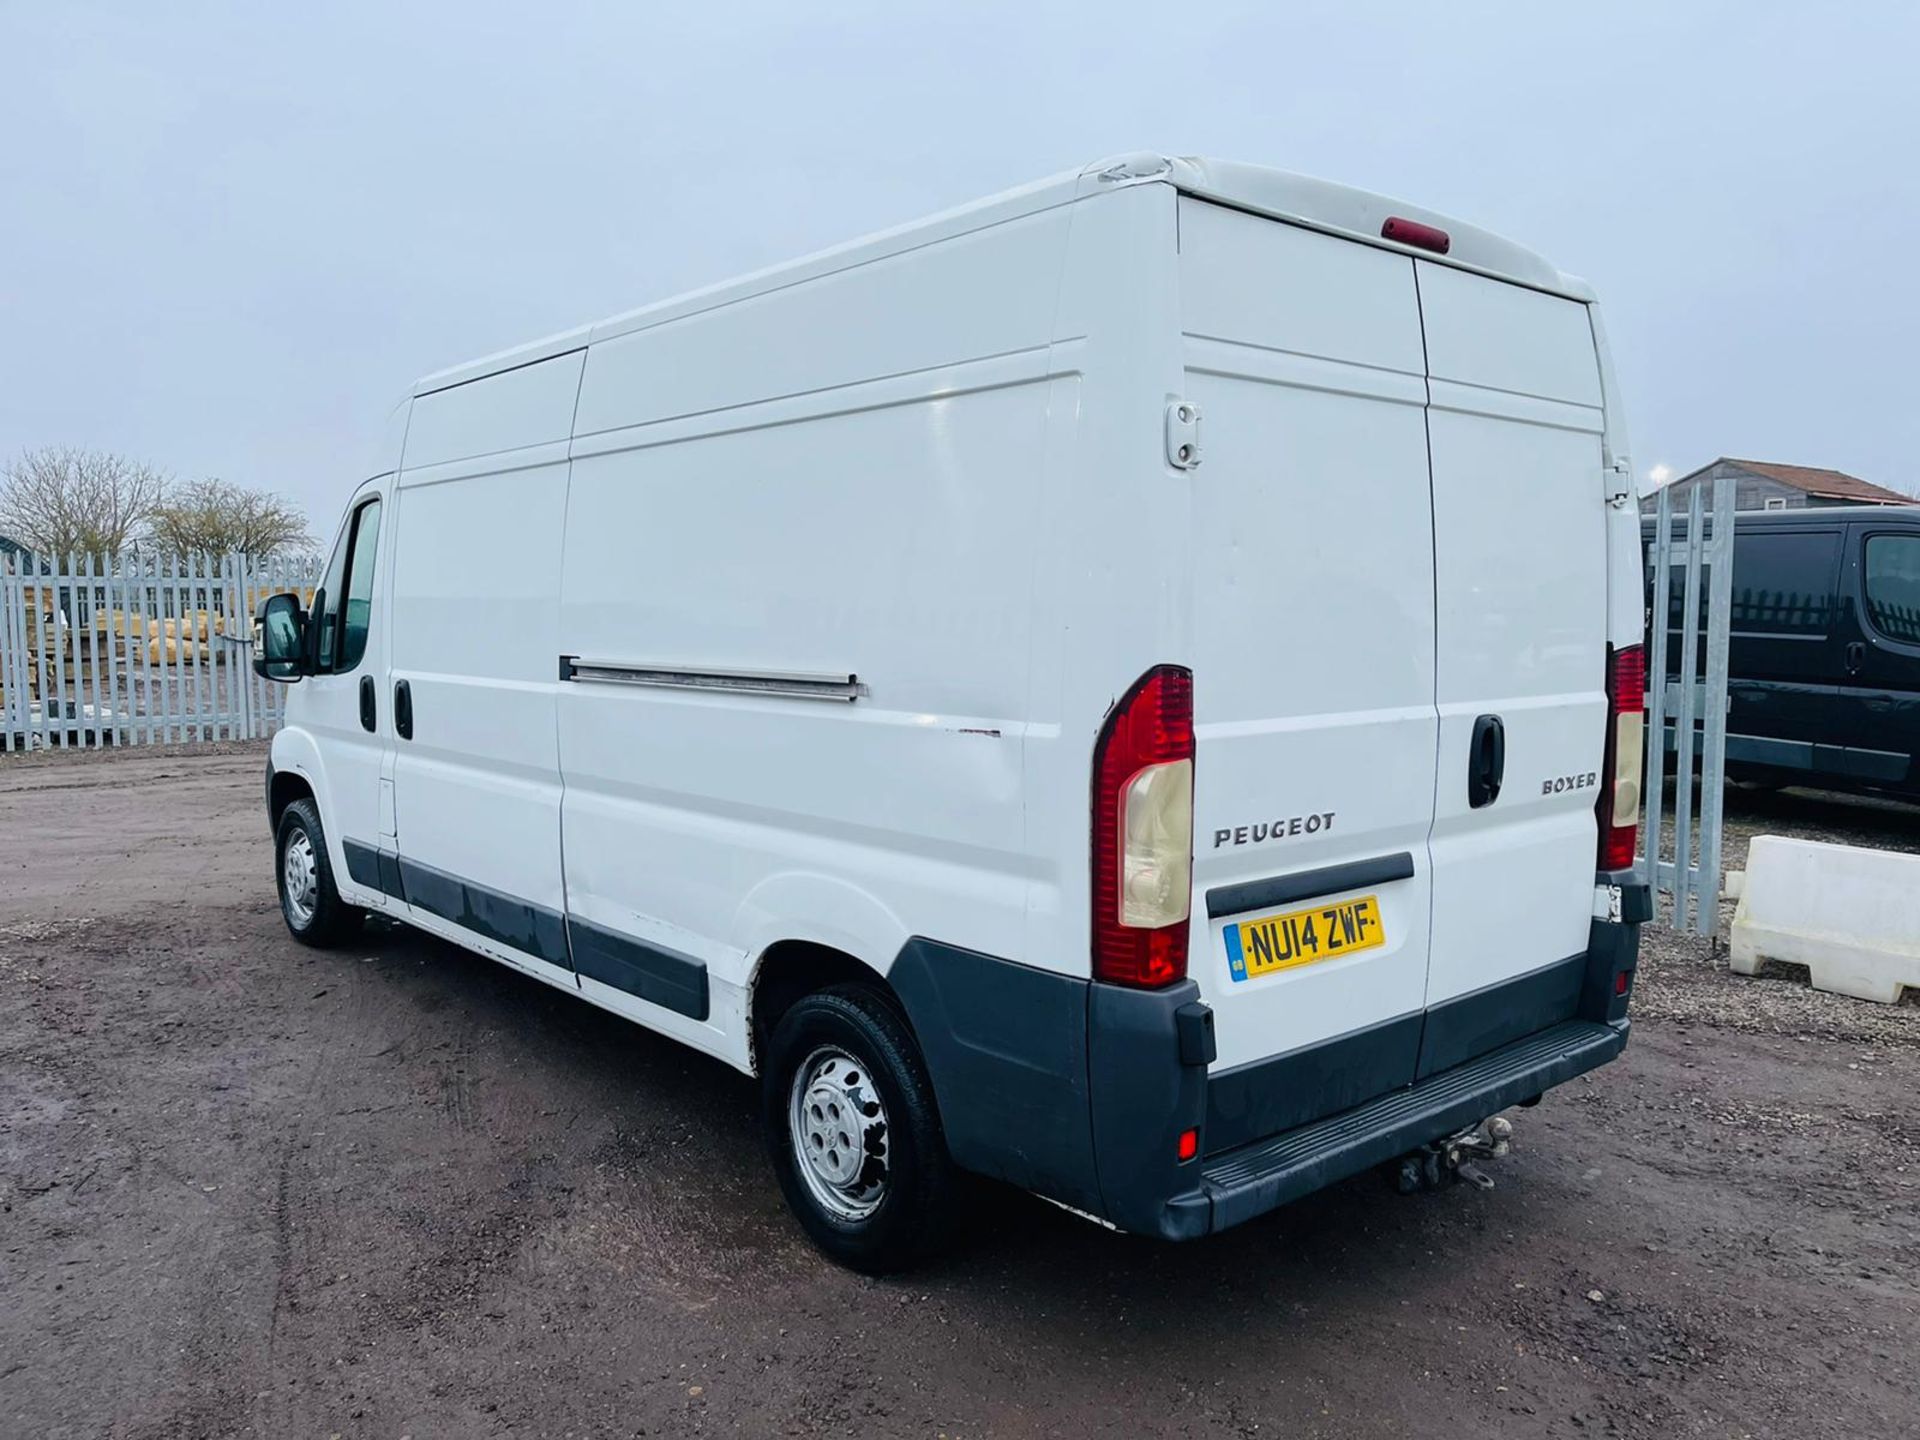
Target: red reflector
{"points": [[1621, 981], [1617, 845], [1189, 1144], [1412, 232]]}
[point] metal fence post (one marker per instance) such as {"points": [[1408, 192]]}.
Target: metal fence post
{"points": [[97, 641], [1656, 745], [1705, 605], [142, 565], [1686, 712], [13, 698], [1713, 761]]}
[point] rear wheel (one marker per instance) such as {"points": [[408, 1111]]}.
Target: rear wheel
{"points": [[309, 902], [854, 1131]]}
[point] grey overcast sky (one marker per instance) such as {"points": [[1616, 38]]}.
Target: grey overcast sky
{"points": [[230, 235]]}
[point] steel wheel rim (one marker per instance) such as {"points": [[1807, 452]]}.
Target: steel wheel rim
{"points": [[838, 1128], [299, 879]]}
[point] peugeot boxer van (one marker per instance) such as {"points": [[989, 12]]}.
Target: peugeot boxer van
{"points": [[1131, 688], [1823, 656]]}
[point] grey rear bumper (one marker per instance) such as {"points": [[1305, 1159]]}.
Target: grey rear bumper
{"points": [[1243, 1183], [1083, 1091]]}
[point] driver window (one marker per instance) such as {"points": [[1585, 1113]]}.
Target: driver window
{"points": [[356, 611], [327, 601], [348, 612]]}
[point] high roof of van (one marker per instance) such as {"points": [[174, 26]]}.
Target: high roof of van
{"points": [[1299, 199]]}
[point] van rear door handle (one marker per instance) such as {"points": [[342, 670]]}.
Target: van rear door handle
{"points": [[1486, 761], [403, 709], [367, 701], [1856, 656]]}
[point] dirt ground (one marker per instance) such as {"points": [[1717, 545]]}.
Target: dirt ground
{"points": [[246, 1189]]}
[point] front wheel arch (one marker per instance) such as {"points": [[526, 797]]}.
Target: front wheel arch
{"points": [[287, 786]]}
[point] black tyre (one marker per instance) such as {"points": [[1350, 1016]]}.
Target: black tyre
{"points": [[854, 1131], [309, 903]]}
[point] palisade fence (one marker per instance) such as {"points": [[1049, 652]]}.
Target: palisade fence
{"points": [[1687, 722], [137, 649]]}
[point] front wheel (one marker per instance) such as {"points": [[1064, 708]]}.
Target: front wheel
{"points": [[854, 1131], [309, 902]]}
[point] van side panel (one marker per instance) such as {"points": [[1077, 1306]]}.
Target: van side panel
{"points": [[1521, 547], [1787, 645], [879, 526], [1817, 693], [532, 405], [1110, 595], [981, 294]]}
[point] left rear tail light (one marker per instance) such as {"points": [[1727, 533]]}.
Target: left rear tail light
{"points": [[1143, 832], [1618, 808]]}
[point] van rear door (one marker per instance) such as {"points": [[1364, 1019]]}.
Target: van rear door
{"points": [[1313, 640], [1520, 554]]}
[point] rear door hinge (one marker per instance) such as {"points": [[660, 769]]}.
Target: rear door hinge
{"points": [[1183, 434], [1616, 483]]}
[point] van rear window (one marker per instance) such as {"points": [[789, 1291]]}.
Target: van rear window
{"points": [[1893, 586]]}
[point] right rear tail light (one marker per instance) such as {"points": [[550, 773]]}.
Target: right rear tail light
{"points": [[1618, 808]]}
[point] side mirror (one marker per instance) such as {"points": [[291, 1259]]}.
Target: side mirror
{"points": [[280, 639]]}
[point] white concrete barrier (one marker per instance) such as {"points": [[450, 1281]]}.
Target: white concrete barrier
{"points": [[1851, 916]]}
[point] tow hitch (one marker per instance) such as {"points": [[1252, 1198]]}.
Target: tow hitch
{"points": [[1439, 1164]]}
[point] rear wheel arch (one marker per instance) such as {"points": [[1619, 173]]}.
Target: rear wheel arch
{"points": [[790, 970]]}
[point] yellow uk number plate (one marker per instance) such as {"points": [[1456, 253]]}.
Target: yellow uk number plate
{"points": [[1302, 937]]}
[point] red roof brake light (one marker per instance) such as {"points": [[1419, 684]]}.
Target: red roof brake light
{"points": [[1412, 232]]}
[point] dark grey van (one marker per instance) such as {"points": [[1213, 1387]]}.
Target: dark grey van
{"points": [[1824, 665]]}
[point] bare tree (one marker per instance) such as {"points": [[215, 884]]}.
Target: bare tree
{"points": [[63, 498], [213, 517]]}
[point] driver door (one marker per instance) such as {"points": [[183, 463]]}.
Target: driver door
{"points": [[343, 708]]}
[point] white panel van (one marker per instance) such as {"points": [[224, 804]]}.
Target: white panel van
{"points": [[1131, 687]]}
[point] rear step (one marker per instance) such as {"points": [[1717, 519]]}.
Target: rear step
{"points": [[1252, 1180]]}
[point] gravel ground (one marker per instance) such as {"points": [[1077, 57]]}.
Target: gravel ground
{"points": [[1684, 978], [250, 1190]]}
